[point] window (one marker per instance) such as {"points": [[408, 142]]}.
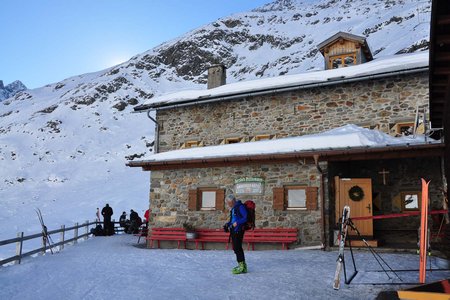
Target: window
{"points": [[206, 199], [411, 200], [233, 140], [340, 61], [262, 137], [191, 144], [405, 129], [295, 197]]}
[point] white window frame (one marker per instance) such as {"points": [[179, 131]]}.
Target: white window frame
{"points": [[211, 193], [295, 188]]}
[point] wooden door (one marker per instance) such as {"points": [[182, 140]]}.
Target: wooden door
{"points": [[356, 193]]}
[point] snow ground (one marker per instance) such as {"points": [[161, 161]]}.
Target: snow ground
{"points": [[112, 268]]}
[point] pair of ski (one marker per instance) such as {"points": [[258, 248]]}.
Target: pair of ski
{"points": [[342, 236], [46, 238]]}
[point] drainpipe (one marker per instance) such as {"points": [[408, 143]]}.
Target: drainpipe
{"points": [[322, 196], [156, 143]]}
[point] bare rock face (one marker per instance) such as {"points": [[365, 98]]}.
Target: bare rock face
{"points": [[11, 89]]}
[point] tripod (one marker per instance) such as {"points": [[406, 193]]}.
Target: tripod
{"points": [[377, 256]]}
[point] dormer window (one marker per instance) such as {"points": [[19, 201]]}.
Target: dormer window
{"points": [[344, 50]]}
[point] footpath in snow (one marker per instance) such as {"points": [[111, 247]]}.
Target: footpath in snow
{"points": [[113, 268]]}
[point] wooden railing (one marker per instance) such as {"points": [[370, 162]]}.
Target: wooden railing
{"points": [[45, 247]]}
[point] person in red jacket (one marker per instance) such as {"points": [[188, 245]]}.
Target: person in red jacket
{"points": [[147, 215]]}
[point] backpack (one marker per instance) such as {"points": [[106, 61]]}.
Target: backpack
{"points": [[250, 206], [98, 231]]}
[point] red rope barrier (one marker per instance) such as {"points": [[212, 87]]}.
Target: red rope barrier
{"points": [[399, 215]]}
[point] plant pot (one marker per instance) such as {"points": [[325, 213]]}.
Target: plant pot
{"points": [[191, 235]]}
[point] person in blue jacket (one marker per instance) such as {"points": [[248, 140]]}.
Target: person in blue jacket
{"points": [[238, 217]]}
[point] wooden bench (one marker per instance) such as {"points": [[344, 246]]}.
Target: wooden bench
{"points": [[284, 236], [212, 236], [167, 234]]}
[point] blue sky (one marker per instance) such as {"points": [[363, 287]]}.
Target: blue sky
{"points": [[46, 41]]}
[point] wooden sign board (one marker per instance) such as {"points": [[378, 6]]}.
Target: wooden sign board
{"points": [[249, 186]]}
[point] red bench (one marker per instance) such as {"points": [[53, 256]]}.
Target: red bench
{"points": [[212, 236], [284, 236], [167, 234]]}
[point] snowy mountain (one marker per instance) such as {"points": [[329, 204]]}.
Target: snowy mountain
{"points": [[11, 89], [63, 147]]}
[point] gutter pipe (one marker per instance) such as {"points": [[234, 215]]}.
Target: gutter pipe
{"points": [[322, 196], [156, 143]]}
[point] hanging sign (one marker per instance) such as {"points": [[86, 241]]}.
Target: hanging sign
{"points": [[249, 186]]}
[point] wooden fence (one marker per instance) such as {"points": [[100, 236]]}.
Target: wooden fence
{"points": [[45, 247]]}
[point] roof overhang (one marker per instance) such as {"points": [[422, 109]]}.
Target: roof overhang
{"points": [[304, 157], [275, 90]]}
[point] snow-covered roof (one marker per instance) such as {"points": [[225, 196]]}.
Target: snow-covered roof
{"points": [[346, 35], [381, 67], [345, 137]]}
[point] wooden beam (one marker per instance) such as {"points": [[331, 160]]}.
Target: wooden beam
{"points": [[442, 70], [441, 56], [443, 20], [443, 39], [438, 102], [439, 88], [440, 83]]}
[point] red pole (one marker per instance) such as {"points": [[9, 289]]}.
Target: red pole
{"points": [[423, 232]]}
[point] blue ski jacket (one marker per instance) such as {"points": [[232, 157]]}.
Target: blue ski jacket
{"points": [[239, 215]]}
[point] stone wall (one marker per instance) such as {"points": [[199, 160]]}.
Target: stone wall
{"points": [[170, 189], [382, 102]]}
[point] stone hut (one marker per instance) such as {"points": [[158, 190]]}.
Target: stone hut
{"points": [[295, 186]]}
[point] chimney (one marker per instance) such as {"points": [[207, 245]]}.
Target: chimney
{"points": [[1, 85], [217, 76]]}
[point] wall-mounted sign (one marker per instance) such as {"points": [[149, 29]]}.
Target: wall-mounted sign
{"points": [[249, 186]]}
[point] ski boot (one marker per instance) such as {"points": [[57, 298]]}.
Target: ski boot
{"points": [[241, 268]]}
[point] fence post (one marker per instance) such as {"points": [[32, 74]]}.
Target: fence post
{"points": [[19, 247], [63, 230], [87, 230], [75, 235]]}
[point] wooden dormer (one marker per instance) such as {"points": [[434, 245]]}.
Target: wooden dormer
{"points": [[344, 50]]}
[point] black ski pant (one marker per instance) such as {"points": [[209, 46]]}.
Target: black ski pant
{"points": [[237, 238], [107, 225]]}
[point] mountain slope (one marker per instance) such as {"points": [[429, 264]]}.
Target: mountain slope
{"points": [[11, 89], [63, 147]]}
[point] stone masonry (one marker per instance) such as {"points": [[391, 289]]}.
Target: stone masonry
{"points": [[381, 102], [170, 189]]}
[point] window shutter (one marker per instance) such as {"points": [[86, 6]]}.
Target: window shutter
{"points": [[278, 198], [311, 197], [193, 199], [220, 199]]}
